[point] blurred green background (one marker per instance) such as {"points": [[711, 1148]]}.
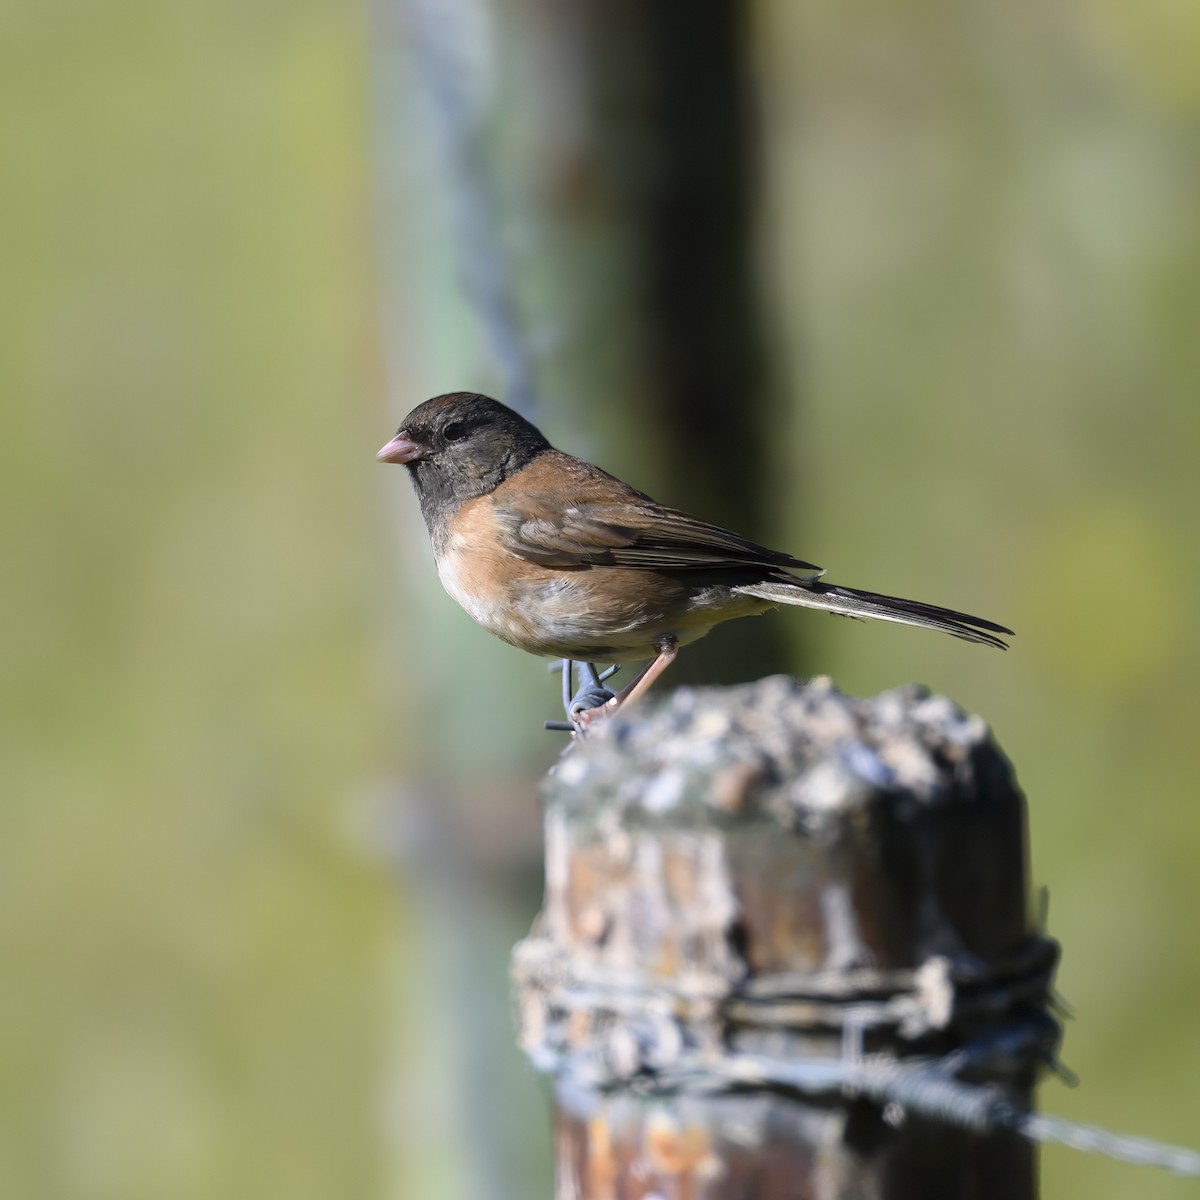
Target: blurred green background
{"points": [[269, 823]]}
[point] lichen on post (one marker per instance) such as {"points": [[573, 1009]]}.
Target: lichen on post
{"points": [[781, 925]]}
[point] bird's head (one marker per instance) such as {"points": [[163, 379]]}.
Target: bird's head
{"points": [[461, 445]]}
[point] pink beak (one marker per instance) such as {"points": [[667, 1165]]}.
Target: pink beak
{"points": [[401, 449]]}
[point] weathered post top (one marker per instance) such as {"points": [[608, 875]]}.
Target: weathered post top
{"points": [[773, 915]]}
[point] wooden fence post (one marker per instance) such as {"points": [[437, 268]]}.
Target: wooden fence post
{"points": [[785, 931]]}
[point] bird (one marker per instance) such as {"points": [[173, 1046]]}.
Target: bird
{"points": [[559, 558]]}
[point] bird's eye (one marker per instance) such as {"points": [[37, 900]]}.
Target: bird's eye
{"points": [[454, 431]]}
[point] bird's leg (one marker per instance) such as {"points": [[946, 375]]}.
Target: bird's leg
{"points": [[668, 648]]}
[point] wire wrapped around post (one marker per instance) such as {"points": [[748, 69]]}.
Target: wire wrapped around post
{"points": [[787, 951]]}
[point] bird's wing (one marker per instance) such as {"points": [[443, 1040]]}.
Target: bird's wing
{"points": [[595, 520]]}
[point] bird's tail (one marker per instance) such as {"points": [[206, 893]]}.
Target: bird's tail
{"points": [[851, 602]]}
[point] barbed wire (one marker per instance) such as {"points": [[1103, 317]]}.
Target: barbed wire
{"points": [[1092, 1139], [926, 1088], [451, 53], [929, 1090], [662, 1039]]}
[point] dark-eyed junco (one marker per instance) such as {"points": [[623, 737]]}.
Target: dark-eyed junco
{"points": [[561, 559]]}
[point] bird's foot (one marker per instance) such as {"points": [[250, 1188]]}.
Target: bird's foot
{"points": [[583, 720]]}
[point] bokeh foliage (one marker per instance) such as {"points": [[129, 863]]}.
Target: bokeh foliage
{"points": [[981, 267], [194, 940]]}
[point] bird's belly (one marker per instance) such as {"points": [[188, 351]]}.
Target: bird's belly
{"points": [[597, 614]]}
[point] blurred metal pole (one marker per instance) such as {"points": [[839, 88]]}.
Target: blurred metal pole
{"points": [[786, 952]]}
